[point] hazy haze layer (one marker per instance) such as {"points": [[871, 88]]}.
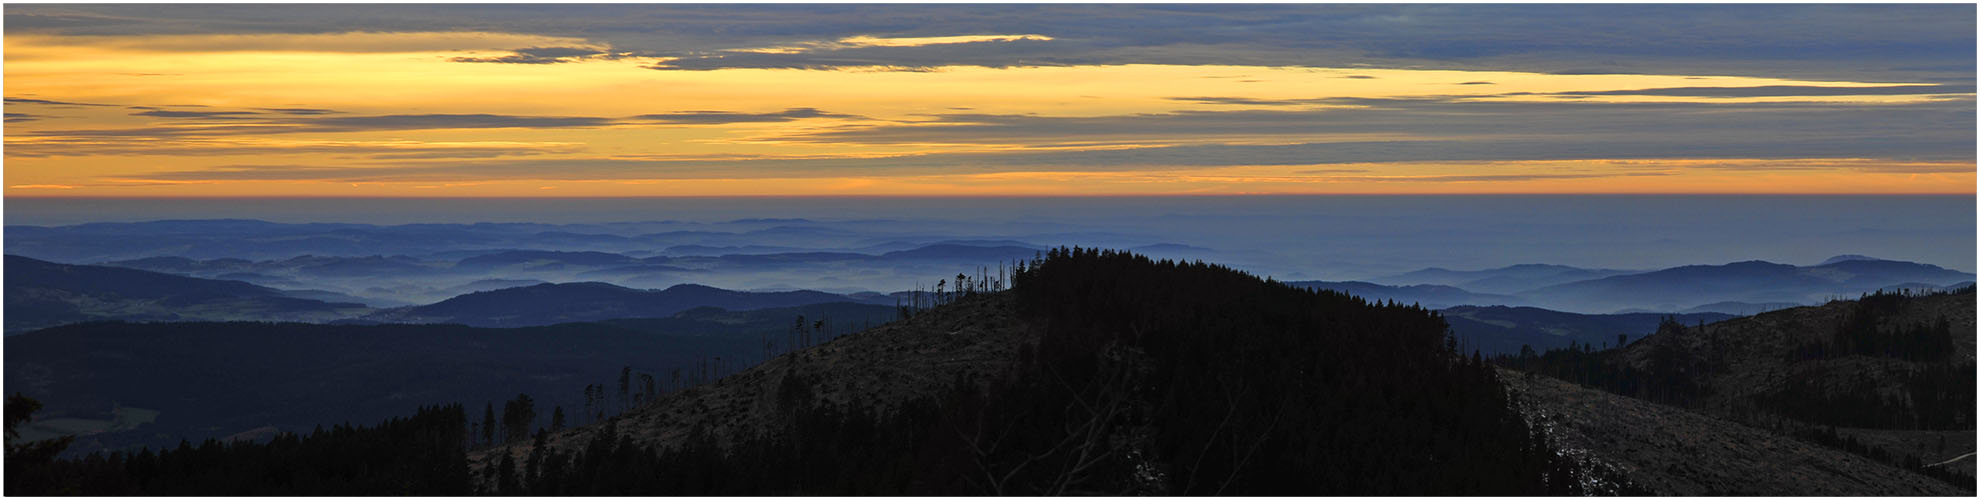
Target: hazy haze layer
{"points": [[1290, 237]]}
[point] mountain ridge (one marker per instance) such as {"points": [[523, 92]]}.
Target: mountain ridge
{"points": [[552, 303], [41, 294]]}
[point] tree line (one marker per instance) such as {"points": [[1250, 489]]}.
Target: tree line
{"points": [[420, 455]]}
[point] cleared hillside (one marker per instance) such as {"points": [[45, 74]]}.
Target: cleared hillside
{"points": [[1874, 362], [1671, 451], [1888, 378]]}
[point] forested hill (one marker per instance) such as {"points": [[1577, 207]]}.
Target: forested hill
{"points": [[1098, 373], [1889, 376], [1887, 360]]}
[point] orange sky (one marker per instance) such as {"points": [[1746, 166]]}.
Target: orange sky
{"points": [[415, 114]]}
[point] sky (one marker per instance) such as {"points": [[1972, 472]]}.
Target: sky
{"points": [[985, 100]]}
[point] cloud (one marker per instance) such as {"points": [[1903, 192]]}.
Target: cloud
{"points": [[867, 41], [45, 102], [1488, 177], [541, 55], [1318, 131], [376, 150], [353, 40], [266, 124], [274, 121], [13, 117], [205, 115], [300, 111], [449, 121], [1738, 155], [722, 117], [1251, 101], [1779, 91], [1846, 42], [873, 41], [1447, 128], [1017, 53]]}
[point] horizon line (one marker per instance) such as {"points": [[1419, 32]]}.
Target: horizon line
{"points": [[966, 196]]}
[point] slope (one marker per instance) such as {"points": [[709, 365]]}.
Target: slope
{"points": [[1670, 451], [1888, 376]]}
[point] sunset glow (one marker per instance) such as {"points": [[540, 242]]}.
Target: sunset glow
{"points": [[488, 112]]}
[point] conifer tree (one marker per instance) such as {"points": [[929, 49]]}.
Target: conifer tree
{"points": [[488, 424]]}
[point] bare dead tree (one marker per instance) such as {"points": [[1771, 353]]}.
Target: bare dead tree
{"points": [[1089, 433]]}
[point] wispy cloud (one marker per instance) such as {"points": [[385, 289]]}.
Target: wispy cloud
{"points": [[547, 55], [25, 100], [1847, 41], [1780, 91], [725, 117], [203, 115], [1147, 159], [1433, 128], [1488, 177], [457, 94]]}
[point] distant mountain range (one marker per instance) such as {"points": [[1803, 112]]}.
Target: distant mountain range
{"points": [[1504, 280], [1686, 287], [541, 287], [553, 303], [396, 280], [1736, 288], [1430, 296], [42, 294]]}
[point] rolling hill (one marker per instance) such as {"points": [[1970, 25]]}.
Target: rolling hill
{"points": [[1431, 296], [41, 294], [214, 380], [1504, 280], [1685, 287], [554, 303], [1503, 330]]}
